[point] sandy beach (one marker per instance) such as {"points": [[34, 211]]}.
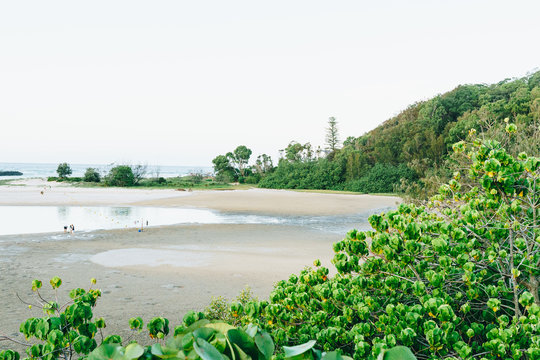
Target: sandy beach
{"points": [[261, 201], [167, 270]]}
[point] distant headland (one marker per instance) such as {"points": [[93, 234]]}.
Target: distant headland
{"points": [[10, 173]]}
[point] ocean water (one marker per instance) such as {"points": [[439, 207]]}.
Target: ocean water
{"points": [[52, 219], [32, 170]]}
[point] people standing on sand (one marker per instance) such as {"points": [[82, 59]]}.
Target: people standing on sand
{"points": [[71, 228], [65, 228]]}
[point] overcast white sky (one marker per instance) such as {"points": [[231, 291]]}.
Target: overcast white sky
{"points": [[178, 82]]}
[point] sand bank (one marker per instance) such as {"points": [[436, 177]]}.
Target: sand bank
{"points": [[262, 201]]}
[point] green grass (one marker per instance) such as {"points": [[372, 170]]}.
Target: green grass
{"points": [[343, 192], [186, 185], [8, 182]]}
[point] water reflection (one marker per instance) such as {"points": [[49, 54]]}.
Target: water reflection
{"points": [[42, 219], [120, 211], [63, 212]]}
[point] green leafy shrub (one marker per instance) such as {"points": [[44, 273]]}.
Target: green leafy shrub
{"points": [[65, 330], [319, 174], [68, 331], [121, 175], [65, 179], [92, 175], [456, 279], [223, 309], [381, 178]]}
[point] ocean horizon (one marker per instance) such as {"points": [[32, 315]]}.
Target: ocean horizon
{"points": [[44, 170]]}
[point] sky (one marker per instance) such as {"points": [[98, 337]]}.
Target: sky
{"points": [[179, 82]]}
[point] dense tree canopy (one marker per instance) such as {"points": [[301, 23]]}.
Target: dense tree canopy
{"points": [[415, 144]]}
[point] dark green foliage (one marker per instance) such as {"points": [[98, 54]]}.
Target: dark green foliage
{"points": [[92, 175], [332, 136], [225, 172], [421, 136], [121, 175], [320, 174], [63, 170], [239, 158], [66, 179], [380, 179], [417, 141], [10, 173]]}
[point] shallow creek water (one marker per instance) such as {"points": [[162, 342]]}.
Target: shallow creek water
{"points": [[51, 219]]}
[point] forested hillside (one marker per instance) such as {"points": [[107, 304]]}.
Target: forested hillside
{"points": [[410, 151]]}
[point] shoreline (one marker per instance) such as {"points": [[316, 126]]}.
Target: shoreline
{"points": [[255, 201]]}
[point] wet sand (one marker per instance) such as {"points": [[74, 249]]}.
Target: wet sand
{"points": [[204, 261]]}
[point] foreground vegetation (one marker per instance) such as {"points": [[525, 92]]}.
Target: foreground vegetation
{"points": [[70, 331], [457, 279]]}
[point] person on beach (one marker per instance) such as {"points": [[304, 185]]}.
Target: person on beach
{"points": [[71, 228], [65, 228]]}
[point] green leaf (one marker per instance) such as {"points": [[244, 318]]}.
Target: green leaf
{"points": [[204, 333], [397, 353], [265, 344], [156, 350], [291, 351], [56, 282], [107, 352], [240, 354], [221, 327], [244, 341], [206, 351], [252, 330], [36, 284], [9, 355], [332, 355], [136, 323], [112, 339], [133, 351]]}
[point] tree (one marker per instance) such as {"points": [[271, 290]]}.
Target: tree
{"points": [[240, 157], [121, 175], [223, 169], [263, 164], [92, 175], [63, 170], [297, 152], [139, 171], [332, 136]]}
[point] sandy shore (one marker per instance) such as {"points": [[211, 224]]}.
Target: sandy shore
{"points": [[281, 202], [168, 270]]}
